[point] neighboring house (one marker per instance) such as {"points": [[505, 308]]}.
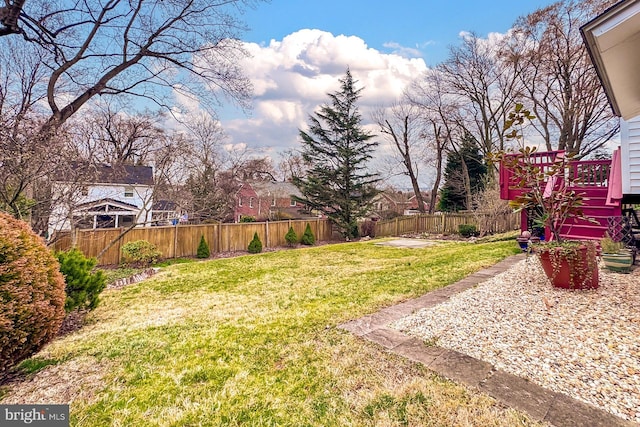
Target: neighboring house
{"points": [[246, 204], [164, 212], [412, 206], [389, 203], [268, 201], [102, 196]]}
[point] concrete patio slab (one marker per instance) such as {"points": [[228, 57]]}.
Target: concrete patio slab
{"points": [[408, 243]]}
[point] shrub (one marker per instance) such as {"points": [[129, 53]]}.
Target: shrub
{"points": [[82, 286], [368, 228], [467, 230], [140, 252], [255, 246], [203, 249], [308, 238], [247, 218], [291, 237], [31, 293]]}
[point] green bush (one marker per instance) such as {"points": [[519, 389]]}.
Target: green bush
{"points": [[247, 218], [31, 293], [467, 230], [291, 237], [255, 246], [203, 249], [140, 253], [82, 285], [308, 238]]}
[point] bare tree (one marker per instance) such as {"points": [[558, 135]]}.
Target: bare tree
{"points": [[25, 157], [108, 136], [479, 81], [437, 109], [291, 165], [401, 125], [559, 79], [144, 48]]}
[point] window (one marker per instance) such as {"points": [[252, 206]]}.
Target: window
{"points": [[293, 202], [239, 201], [273, 202], [251, 202], [128, 192]]}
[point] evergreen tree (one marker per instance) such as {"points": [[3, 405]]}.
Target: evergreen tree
{"points": [[337, 149], [255, 245], [203, 249], [308, 238], [291, 237], [454, 195]]}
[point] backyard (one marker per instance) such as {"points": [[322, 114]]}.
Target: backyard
{"points": [[252, 340]]}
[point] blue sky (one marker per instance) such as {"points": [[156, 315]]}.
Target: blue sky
{"points": [[429, 26], [299, 49]]}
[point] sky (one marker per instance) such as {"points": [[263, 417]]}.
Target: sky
{"points": [[299, 49]]}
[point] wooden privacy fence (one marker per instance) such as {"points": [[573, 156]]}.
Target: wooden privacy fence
{"points": [[182, 240], [447, 223]]}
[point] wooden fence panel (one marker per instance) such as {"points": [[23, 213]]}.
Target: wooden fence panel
{"points": [[183, 240], [446, 223]]}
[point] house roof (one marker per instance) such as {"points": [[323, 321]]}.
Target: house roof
{"points": [[164, 205], [277, 190], [106, 201], [613, 42], [107, 174]]}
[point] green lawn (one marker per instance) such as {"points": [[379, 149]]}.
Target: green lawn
{"points": [[253, 341]]}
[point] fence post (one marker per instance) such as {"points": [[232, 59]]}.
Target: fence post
{"points": [[397, 231], [444, 223], [175, 241], [266, 232]]}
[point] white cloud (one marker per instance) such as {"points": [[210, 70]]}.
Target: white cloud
{"points": [[292, 77]]}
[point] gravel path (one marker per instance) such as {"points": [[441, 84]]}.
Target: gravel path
{"points": [[585, 344]]}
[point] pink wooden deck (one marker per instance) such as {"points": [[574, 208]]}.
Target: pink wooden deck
{"points": [[591, 177]]}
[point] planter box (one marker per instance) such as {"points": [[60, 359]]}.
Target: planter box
{"points": [[619, 263], [583, 276]]}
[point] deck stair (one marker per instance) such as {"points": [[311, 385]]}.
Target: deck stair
{"points": [[590, 177]]}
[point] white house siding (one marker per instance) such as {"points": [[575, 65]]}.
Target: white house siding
{"points": [[630, 151], [59, 218]]}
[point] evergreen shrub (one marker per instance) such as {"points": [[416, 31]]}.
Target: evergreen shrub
{"points": [[31, 293], [291, 237], [140, 253], [308, 238], [255, 246], [203, 249], [467, 230], [82, 284]]}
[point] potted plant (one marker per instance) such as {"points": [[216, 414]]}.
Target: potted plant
{"points": [[615, 255], [547, 194]]}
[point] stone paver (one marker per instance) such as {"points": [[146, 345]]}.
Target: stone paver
{"points": [[557, 409]]}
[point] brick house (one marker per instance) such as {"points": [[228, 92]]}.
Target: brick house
{"points": [[268, 201]]}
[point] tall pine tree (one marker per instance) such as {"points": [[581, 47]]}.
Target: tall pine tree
{"points": [[462, 180], [337, 149]]}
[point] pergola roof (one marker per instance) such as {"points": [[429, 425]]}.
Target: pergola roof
{"points": [[613, 41]]}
